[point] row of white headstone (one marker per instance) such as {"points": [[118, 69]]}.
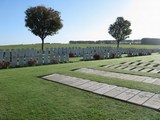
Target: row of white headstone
{"points": [[137, 52], [103, 52], [21, 57], [109, 52]]}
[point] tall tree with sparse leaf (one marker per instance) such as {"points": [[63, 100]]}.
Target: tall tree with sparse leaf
{"points": [[120, 29], [43, 21]]}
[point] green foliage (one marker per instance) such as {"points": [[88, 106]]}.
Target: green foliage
{"points": [[43, 21], [120, 30]]}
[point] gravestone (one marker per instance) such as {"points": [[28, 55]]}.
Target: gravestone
{"points": [[7, 55], [21, 57], [14, 58], [1, 55]]}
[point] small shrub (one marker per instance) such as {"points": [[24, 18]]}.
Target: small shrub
{"points": [[54, 62], [32, 62], [96, 56], [5, 64], [112, 55], [140, 54], [130, 54], [149, 53], [71, 54]]}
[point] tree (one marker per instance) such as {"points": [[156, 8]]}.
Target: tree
{"points": [[120, 30], [43, 21]]}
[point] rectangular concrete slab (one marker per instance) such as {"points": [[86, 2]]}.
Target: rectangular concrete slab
{"points": [[131, 95], [55, 77], [141, 97], [121, 67], [151, 65], [146, 70], [149, 80], [155, 71], [69, 81], [80, 82], [108, 66], [105, 89], [137, 69], [131, 68], [115, 66], [86, 85], [95, 87], [133, 78], [156, 82], [116, 91], [128, 68], [112, 74], [153, 102], [143, 64], [127, 94], [135, 63], [140, 79]]}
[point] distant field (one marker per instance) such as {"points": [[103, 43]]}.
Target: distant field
{"points": [[38, 46]]}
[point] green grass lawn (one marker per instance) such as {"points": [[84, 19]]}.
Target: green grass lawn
{"points": [[24, 95]]}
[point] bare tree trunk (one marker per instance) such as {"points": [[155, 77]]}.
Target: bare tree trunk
{"points": [[42, 44], [118, 43]]}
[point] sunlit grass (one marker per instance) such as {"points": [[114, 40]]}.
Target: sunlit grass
{"points": [[24, 95]]}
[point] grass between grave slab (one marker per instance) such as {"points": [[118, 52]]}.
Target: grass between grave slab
{"points": [[23, 95]]}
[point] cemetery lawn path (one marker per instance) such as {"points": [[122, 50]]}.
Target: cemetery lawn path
{"points": [[24, 95]]}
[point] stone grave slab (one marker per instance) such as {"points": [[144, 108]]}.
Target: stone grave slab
{"points": [[141, 97], [62, 79], [137, 69], [156, 82], [80, 82], [105, 89], [101, 73], [153, 102], [134, 78], [120, 76], [88, 84], [108, 66], [122, 62], [148, 99], [155, 71], [124, 76], [127, 94], [116, 91], [127, 63], [95, 87], [143, 64], [128, 68], [149, 80], [147, 64], [146, 70], [55, 77], [69, 80], [112, 75], [140, 78], [115, 66], [135, 63], [121, 67]]}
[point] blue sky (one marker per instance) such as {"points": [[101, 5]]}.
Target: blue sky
{"points": [[82, 19]]}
